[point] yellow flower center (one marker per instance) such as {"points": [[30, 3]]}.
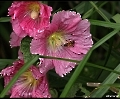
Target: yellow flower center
{"points": [[56, 40], [29, 79], [34, 10]]}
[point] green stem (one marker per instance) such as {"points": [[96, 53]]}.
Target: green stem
{"points": [[65, 59], [23, 69], [76, 61]]}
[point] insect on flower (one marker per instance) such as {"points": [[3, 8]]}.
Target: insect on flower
{"points": [[70, 43]]}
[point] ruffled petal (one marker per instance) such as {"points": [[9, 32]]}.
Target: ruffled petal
{"points": [[83, 43], [65, 21], [17, 29], [15, 40], [45, 65]]}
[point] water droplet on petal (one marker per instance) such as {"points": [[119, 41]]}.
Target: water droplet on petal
{"points": [[62, 76]]}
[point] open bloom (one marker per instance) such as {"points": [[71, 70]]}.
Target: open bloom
{"points": [[68, 36], [31, 84], [29, 16]]}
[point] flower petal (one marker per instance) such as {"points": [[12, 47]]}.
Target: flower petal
{"points": [[45, 65], [15, 40], [63, 67], [17, 29], [38, 46], [83, 43]]}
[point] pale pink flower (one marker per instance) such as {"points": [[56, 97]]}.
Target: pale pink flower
{"points": [[68, 36], [29, 16], [31, 84]]}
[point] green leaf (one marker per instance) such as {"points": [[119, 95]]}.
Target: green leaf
{"points": [[116, 18], [54, 93], [108, 15], [4, 19], [104, 24], [88, 13], [73, 90], [25, 49], [87, 6], [111, 78], [80, 7], [92, 11], [4, 62], [84, 90], [118, 94]]}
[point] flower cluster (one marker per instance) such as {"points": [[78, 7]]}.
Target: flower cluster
{"points": [[66, 35]]}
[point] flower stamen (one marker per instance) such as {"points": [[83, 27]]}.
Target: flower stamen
{"points": [[34, 14], [56, 40], [34, 10], [30, 80]]}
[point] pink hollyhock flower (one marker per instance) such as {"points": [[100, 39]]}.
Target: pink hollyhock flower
{"points": [[68, 36], [30, 16], [31, 84]]}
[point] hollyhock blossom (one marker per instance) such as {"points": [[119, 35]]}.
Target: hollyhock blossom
{"points": [[31, 84], [29, 16], [68, 36]]}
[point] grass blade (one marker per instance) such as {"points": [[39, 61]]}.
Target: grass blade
{"points": [[105, 24], [109, 80], [4, 19]]}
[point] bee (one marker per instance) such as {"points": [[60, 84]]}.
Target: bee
{"points": [[70, 43]]}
